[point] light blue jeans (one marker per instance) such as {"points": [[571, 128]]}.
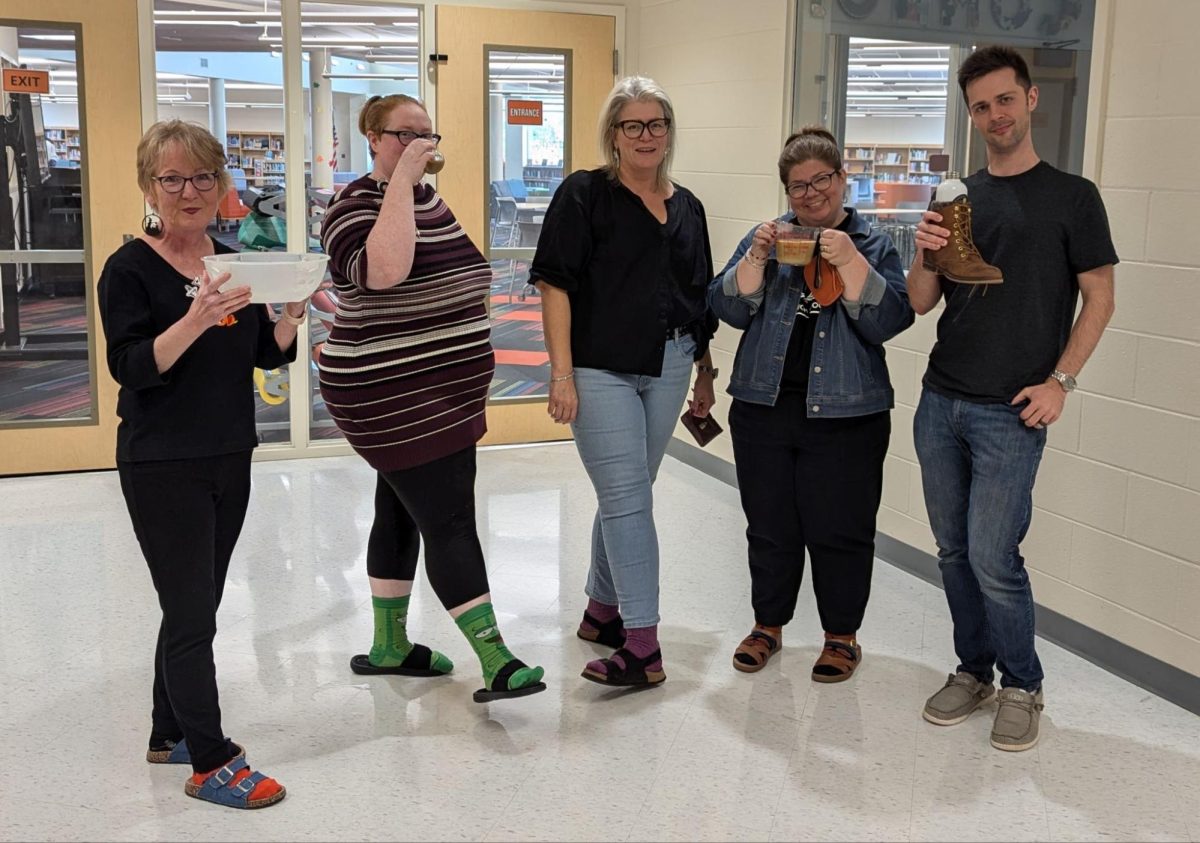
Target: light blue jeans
{"points": [[621, 431]]}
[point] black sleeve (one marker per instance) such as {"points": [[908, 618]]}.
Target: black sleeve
{"points": [[711, 322], [565, 244], [129, 327], [1091, 243], [267, 354]]}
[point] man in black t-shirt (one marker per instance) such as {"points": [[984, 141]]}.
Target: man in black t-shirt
{"points": [[1006, 357]]}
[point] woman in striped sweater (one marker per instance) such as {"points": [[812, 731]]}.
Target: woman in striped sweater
{"points": [[405, 374]]}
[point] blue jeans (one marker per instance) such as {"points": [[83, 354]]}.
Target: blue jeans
{"points": [[978, 464], [621, 431]]}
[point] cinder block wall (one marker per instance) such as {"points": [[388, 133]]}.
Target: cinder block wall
{"points": [[1115, 541]]}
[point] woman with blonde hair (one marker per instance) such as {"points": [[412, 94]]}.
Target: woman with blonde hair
{"points": [[622, 264], [184, 353]]}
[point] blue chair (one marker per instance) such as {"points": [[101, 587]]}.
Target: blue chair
{"points": [[517, 186]]}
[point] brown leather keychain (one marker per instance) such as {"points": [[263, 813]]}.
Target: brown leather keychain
{"points": [[823, 280]]}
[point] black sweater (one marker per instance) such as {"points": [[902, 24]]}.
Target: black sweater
{"points": [[202, 406]]}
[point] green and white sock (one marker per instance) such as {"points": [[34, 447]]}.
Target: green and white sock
{"points": [[391, 645], [480, 628]]}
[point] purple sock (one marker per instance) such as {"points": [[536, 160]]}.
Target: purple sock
{"points": [[641, 642], [600, 611]]}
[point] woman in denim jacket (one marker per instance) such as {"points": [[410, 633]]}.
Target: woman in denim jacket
{"points": [[810, 418]]}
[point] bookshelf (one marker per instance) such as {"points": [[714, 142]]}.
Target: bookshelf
{"points": [[891, 162], [540, 175], [260, 154], [65, 143]]}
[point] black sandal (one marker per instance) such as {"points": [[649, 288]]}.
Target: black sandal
{"points": [[416, 663], [633, 674], [610, 633], [499, 689]]}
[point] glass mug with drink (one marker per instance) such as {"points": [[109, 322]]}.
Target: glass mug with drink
{"points": [[795, 244]]}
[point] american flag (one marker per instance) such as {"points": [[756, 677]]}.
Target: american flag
{"points": [[333, 157]]}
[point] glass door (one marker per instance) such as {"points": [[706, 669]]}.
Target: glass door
{"points": [[537, 81], [60, 94]]}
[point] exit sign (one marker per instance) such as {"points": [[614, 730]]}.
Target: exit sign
{"points": [[17, 80]]}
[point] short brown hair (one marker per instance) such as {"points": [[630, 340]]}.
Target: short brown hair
{"points": [[197, 144], [805, 145], [374, 114], [987, 60]]}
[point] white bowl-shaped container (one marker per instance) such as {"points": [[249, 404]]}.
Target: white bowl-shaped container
{"points": [[273, 277]]}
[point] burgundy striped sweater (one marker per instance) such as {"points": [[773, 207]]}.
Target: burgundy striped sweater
{"points": [[405, 371]]}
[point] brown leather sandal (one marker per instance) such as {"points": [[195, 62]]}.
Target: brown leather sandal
{"points": [[839, 658], [757, 648]]}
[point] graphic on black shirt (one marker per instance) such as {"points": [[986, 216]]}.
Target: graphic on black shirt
{"points": [[808, 307]]}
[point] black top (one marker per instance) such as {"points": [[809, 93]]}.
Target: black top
{"points": [[629, 277], [1041, 228], [202, 406], [798, 361]]}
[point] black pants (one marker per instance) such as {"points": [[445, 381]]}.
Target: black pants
{"points": [[434, 502], [815, 484], [187, 515]]}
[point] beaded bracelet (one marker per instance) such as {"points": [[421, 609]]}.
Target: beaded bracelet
{"points": [[754, 261], [562, 378]]}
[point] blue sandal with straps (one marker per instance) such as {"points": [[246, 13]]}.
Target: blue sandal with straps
{"points": [[217, 787]]}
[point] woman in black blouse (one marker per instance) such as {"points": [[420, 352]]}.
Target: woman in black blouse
{"points": [[184, 353], [623, 263]]}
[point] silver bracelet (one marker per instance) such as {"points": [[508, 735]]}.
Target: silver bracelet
{"points": [[562, 378], [756, 262]]}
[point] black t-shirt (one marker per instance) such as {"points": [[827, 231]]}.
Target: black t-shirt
{"points": [[202, 406], [1041, 228], [629, 277], [797, 363]]}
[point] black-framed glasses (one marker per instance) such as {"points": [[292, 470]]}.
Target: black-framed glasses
{"points": [[406, 137], [799, 189], [633, 129], [203, 182]]}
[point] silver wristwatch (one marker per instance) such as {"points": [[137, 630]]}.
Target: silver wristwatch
{"points": [[1067, 382]]}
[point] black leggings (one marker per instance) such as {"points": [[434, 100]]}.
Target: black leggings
{"points": [[434, 502], [187, 515]]}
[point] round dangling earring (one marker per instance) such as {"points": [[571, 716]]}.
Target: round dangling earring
{"points": [[152, 225]]}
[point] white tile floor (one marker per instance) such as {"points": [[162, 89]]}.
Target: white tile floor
{"points": [[712, 755]]}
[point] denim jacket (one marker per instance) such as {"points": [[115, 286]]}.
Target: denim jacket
{"points": [[849, 376]]}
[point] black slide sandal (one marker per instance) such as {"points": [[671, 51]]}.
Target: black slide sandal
{"points": [[484, 695], [610, 633], [416, 663], [633, 675]]}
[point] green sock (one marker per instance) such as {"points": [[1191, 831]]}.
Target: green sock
{"points": [[391, 645], [479, 625]]}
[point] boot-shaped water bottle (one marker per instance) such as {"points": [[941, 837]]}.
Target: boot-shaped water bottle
{"points": [[958, 260]]}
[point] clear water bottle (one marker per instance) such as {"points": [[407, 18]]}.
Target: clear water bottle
{"points": [[950, 189]]}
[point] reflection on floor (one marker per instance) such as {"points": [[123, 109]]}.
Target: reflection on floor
{"points": [[37, 389], [711, 755]]}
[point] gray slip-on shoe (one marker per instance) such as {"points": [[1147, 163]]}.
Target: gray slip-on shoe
{"points": [[961, 695], [1017, 718]]}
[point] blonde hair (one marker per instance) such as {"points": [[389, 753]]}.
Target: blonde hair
{"points": [[805, 145], [374, 114], [197, 144], [634, 89]]}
